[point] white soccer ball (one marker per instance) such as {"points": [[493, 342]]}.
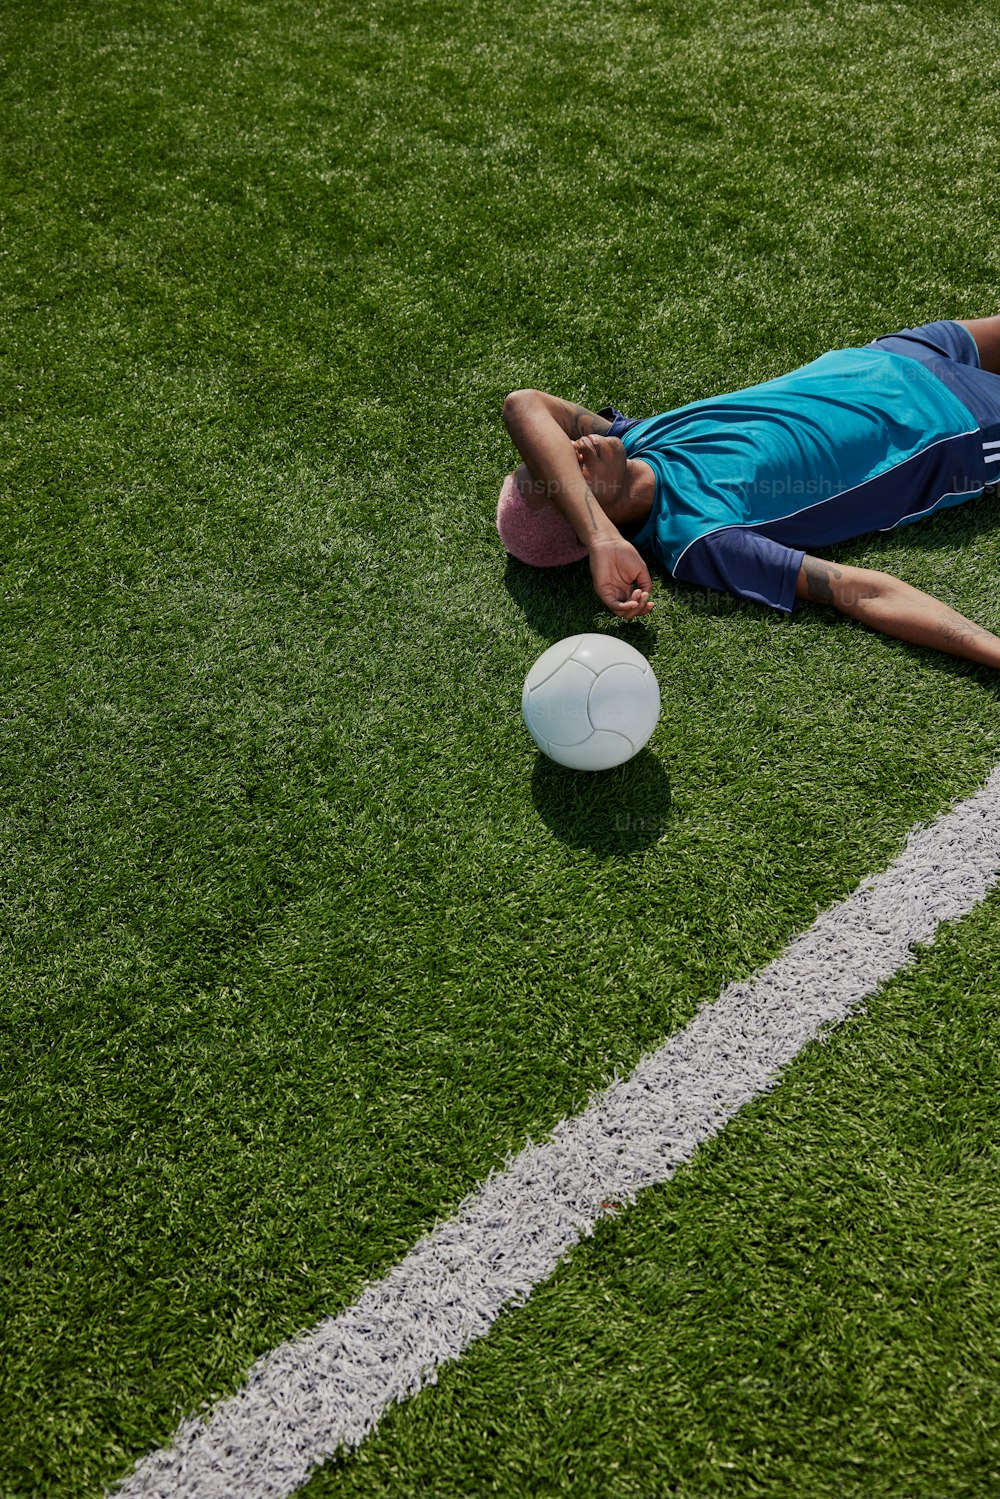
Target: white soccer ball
{"points": [[591, 702]]}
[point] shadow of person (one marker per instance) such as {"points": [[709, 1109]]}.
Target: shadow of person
{"points": [[560, 601], [556, 601], [954, 526], [610, 812]]}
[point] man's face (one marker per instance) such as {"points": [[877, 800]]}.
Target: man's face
{"points": [[603, 462]]}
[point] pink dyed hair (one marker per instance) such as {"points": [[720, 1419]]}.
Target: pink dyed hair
{"points": [[537, 533]]}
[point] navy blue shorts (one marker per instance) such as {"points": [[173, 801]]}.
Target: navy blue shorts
{"points": [[949, 350]]}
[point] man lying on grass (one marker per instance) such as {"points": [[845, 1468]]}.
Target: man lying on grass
{"points": [[736, 491]]}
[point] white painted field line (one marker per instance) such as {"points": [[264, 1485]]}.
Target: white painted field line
{"points": [[328, 1389]]}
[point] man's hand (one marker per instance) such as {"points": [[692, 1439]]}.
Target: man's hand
{"points": [[621, 578]]}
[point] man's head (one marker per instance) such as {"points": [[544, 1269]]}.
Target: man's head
{"points": [[604, 465], [534, 529]]}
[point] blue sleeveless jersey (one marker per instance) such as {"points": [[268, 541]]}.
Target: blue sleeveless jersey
{"points": [[747, 483]]}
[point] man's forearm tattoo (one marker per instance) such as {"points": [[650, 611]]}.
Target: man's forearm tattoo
{"points": [[820, 577], [588, 500]]}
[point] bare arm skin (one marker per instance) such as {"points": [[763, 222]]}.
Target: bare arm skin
{"points": [[884, 603], [986, 333], [575, 421], [543, 428]]}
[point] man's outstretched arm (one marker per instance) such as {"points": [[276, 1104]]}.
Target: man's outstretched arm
{"points": [[884, 603]]}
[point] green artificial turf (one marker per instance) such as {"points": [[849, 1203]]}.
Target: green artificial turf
{"points": [[809, 1307], [301, 936]]}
